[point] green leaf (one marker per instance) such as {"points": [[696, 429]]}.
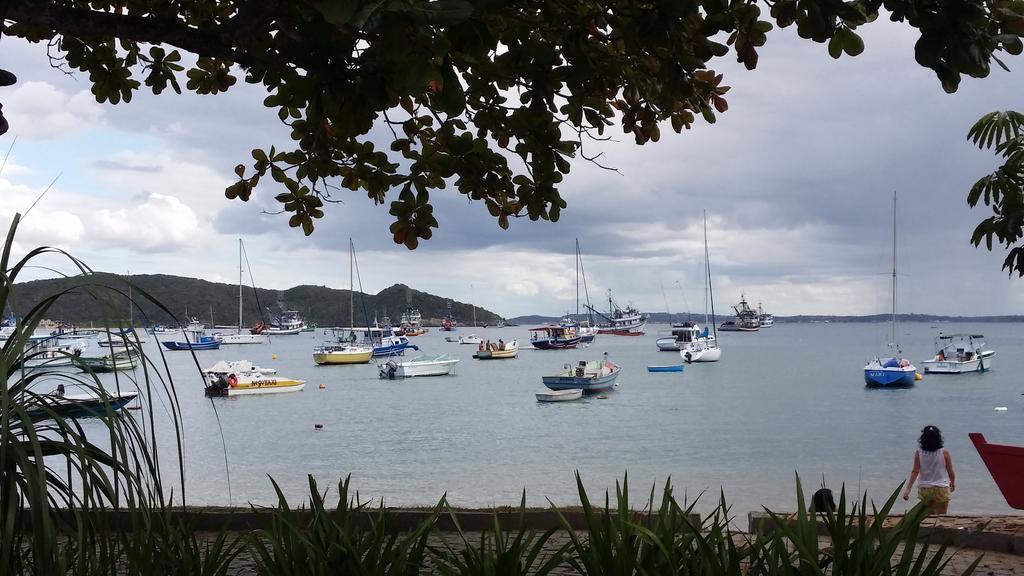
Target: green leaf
{"points": [[337, 12]]}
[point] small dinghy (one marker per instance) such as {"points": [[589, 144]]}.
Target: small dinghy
{"points": [[668, 368], [84, 405], [560, 395]]}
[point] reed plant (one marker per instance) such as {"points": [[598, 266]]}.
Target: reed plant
{"points": [[61, 480], [499, 552], [351, 539]]}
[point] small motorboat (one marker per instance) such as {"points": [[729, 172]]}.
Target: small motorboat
{"points": [[666, 368], [440, 365], [560, 395], [83, 405], [193, 341], [1006, 465], [243, 378], [451, 339], [592, 377], [500, 351], [342, 354], [959, 353], [393, 346], [471, 339]]}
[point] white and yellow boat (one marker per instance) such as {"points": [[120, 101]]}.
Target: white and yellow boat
{"points": [[342, 354], [243, 378]]}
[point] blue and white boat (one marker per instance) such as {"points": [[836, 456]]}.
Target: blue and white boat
{"points": [[393, 346], [666, 368], [895, 371], [890, 373], [193, 341], [554, 337], [593, 377]]}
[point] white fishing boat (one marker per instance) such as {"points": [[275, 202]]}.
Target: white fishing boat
{"points": [[620, 321], [959, 353], [703, 346], [440, 365], [243, 378], [560, 395], [765, 319], [471, 339]]}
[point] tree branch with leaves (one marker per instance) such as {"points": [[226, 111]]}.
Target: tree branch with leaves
{"points": [[491, 97]]}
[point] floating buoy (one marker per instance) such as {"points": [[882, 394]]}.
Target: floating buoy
{"points": [[273, 356], [917, 376], [1001, 408], [318, 426], [602, 397], [323, 386]]}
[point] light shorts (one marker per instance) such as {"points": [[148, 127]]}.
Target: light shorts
{"points": [[933, 495]]}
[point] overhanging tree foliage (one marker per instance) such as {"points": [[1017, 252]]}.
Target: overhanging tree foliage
{"points": [[468, 86], [1003, 189]]}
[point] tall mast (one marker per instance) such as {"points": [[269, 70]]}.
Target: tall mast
{"points": [[577, 279], [351, 288], [895, 346], [707, 269], [131, 317], [239, 285]]}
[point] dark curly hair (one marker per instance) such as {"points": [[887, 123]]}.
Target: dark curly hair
{"points": [[931, 439]]}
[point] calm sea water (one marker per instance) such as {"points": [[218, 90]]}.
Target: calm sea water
{"points": [[789, 399]]}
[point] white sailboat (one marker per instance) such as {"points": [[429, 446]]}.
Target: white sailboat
{"points": [[243, 336], [703, 347]]}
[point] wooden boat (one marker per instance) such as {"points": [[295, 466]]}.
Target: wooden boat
{"points": [[554, 337], [1006, 465], [128, 360], [440, 365], [83, 405], [342, 354], [243, 378], [666, 368], [592, 377], [560, 395], [500, 351], [198, 341], [959, 353]]}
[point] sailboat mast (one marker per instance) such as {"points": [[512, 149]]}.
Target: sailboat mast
{"points": [[577, 279], [239, 285], [894, 270], [707, 271], [351, 287]]}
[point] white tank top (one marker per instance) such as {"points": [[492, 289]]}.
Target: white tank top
{"points": [[933, 468]]}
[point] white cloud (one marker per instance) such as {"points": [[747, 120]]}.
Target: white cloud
{"points": [[40, 111], [159, 224], [44, 225]]}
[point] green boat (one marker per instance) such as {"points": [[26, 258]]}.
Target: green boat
{"points": [[110, 362]]}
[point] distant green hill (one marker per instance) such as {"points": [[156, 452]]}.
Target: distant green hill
{"points": [[217, 303]]}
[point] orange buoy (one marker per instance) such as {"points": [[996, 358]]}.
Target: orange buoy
{"points": [[323, 386]]}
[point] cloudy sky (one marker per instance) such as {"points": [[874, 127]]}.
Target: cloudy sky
{"points": [[796, 178]]}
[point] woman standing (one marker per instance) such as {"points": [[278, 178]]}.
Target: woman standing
{"points": [[934, 466]]}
